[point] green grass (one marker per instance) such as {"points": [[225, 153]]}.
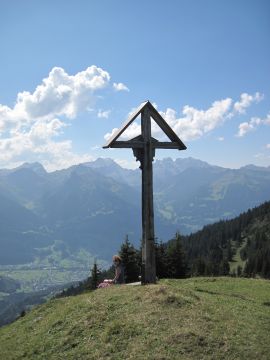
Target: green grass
{"points": [[237, 261], [198, 318]]}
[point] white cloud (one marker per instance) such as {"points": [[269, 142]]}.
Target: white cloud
{"points": [[196, 123], [63, 94], [268, 146], [133, 130], [192, 125], [245, 101], [244, 128], [46, 129], [58, 161], [220, 138], [252, 125], [103, 114], [59, 94], [30, 131], [120, 87], [38, 145], [108, 135]]}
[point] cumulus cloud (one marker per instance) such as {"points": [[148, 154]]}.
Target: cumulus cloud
{"points": [[194, 123], [63, 94], [59, 94], [252, 125], [120, 87], [268, 146], [244, 128], [38, 144], [31, 129], [133, 130], [245, 101]]}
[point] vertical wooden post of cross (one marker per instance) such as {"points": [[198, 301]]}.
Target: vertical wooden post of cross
{"points": [[148, 235], [144, 147]]}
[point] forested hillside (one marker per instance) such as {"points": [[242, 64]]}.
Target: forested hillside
{"points": [[237, 247], [213, 250]]}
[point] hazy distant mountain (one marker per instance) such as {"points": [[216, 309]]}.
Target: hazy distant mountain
{"points": [[94, 205], [109, 168]]}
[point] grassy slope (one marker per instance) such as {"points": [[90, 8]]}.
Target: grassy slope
{"points": [[237, 261], [198, 318]]}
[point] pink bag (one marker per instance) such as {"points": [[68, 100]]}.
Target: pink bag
{"points": [[104, 285]]}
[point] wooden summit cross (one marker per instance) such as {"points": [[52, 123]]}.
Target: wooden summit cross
{"points": [[144, 147]]}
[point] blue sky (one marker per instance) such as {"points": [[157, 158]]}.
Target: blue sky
{"points": [[71, 72]]}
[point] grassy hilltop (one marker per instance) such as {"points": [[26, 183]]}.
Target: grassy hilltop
{"points": [[197, 318]]}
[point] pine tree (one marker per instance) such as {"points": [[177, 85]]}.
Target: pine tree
{"points": [[230, 252], [198, 267], [130, 261], [95, 276], [266, 264], [176, 258], [161, 260], [224, 268]]}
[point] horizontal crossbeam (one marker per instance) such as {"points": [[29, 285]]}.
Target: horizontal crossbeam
{"points": [[125, 144], [140, 145]]}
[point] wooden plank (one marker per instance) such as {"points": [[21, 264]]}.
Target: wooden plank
{"points": [[127, 144], [165, 127], [148, 244], [126, 124], [139, 145], [166, 145]]}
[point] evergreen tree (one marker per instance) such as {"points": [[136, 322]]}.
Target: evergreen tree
{"points": [[224, 268], [95, 276], [161, 260], [230, 251], [266, 265], [130, 261], [176, 258], [198, 267]]}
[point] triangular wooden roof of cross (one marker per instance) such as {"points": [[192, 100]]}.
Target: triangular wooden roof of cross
{"points": [[137, 142]]}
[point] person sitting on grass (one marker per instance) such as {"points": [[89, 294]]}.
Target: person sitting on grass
{"points": [[119, 277]]}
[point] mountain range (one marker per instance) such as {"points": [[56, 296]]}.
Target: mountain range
{"points": [[94, 205]]}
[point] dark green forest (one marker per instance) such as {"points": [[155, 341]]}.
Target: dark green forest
{"points": [[211, 251], [208, 252]]}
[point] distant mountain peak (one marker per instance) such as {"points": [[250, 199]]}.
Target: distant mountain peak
{"points": [[254, 167], [192, 162], [179, 165], [35, 166], [102, 162]]}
